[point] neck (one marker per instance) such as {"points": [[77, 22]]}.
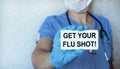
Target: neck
{"points": [[81, 18]]}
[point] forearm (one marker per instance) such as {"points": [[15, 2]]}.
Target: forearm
{"points": [[41, 60]]}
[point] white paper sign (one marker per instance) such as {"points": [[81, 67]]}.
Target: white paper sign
{"points": [[72, 40]]}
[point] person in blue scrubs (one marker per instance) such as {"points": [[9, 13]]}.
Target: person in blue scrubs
{"points": [[47, 54]]}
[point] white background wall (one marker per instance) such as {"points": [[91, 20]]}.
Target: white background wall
{"points": [[21, 19]]}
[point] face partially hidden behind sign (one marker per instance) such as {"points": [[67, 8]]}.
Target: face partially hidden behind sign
{"points": [[86, 40]]}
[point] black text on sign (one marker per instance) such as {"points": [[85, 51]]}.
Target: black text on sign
{"points": [[87, 40]]}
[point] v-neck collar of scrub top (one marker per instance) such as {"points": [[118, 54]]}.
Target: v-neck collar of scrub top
{"points": [[73, 22]]}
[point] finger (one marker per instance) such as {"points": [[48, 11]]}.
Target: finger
{"points": [[79, 28], [71, 27], [86, 27], [57, 35]]}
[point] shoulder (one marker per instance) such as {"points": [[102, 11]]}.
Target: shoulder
{"points": [[56, 21], [105, 24], [55, 17], [102, 19]]}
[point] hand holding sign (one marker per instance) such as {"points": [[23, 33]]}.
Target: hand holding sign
{"points": [[60, 57]]}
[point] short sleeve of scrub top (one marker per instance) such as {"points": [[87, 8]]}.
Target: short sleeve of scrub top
{"points": [[51, 25], [45, 30]]}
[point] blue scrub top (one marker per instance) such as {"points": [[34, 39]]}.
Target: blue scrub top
{"points": [[85, 61]]}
